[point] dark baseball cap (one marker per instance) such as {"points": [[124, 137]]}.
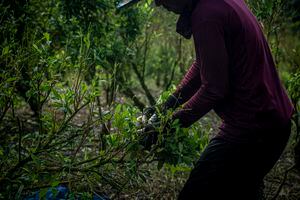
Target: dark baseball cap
{"points": [[126, 3]]}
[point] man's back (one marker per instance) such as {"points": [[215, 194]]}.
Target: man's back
{"points": [[255, 97]]}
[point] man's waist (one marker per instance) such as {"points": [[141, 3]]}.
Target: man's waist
{"points": [[245, 134], [254, 118]]}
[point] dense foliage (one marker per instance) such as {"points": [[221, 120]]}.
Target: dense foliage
{"points": [[74, 77]]}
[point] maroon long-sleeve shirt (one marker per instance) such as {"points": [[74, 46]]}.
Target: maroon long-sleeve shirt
{"points": [[234, 72]]}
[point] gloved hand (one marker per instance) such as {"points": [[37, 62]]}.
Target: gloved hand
{"points": [[149, 124], [149, 136], [151, 127], [146, 115]]}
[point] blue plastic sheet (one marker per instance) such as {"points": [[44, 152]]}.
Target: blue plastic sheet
{"points": [[60, 193]]}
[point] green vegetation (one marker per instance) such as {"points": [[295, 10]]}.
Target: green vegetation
{"points": [[74, 77]]}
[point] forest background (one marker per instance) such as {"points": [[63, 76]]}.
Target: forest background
{"points": [[76, 74]]}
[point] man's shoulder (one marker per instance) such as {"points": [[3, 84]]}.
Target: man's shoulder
{"points": [[211, 10]]}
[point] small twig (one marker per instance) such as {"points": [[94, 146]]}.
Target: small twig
{"points": [[105, 129], [64, 125], [19, 139], [87, 161], [83, 139], [143, 84], [64, 141], [12, 171], [5, 110], [108, 160], [48, 94]]}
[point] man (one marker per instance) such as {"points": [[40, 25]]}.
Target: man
{"points": [[235, 75]]}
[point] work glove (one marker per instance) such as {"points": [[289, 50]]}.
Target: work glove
{"points": [[149, 136], [151, 127], [146, 115], [149, 124]]}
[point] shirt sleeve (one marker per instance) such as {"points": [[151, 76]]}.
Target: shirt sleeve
{"points": [[187, 87], [213, 68]]}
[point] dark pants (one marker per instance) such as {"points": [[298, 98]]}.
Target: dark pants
{"points": [[229, 170]]}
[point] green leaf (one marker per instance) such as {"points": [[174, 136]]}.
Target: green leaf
{"points": [[47, 36], [11, 79], [36, 48], [55, 183], [5, 50], [87, 41], [56, 94]]}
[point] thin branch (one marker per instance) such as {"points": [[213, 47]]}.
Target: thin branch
{"points": [[130, 94], [19, 139], [7, 106], [143, 84], [64, 125]]}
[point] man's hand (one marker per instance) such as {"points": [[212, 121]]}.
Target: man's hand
{"points": [[150, 124], [146, 115], [149, 136]]}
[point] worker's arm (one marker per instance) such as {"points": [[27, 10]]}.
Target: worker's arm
{"points": [[187, 87], [213, 69]]}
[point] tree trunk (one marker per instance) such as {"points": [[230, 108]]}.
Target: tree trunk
{"points": [[143, 84], [129, 93]]}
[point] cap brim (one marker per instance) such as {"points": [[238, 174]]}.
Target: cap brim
{"points": [[126, 3]]}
